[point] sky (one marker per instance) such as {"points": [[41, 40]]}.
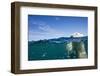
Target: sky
{"points": [[47, 27]]}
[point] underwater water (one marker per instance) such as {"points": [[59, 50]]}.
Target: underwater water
{"points": [[59, 48]]}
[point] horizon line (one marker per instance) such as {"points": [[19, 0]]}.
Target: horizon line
{"points": [[55, 38]]}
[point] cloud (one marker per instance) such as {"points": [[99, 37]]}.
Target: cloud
{"points": [[35, 22], [50, 30], [44, 31], [46, 28], [57, 18]]}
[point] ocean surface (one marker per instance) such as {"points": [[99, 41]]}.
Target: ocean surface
{"points": [[57, 48]]}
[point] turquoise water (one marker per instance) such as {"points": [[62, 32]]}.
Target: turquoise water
{"points": [[51, 50]]}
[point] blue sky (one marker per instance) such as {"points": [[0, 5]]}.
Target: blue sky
{"points": [[47, 27]]}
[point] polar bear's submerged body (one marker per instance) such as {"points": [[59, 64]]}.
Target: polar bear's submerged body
{"points": [[76, 50]]}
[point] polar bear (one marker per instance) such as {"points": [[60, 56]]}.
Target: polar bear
{"points": [[69, 48], [80, 48], [76, 48]]}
